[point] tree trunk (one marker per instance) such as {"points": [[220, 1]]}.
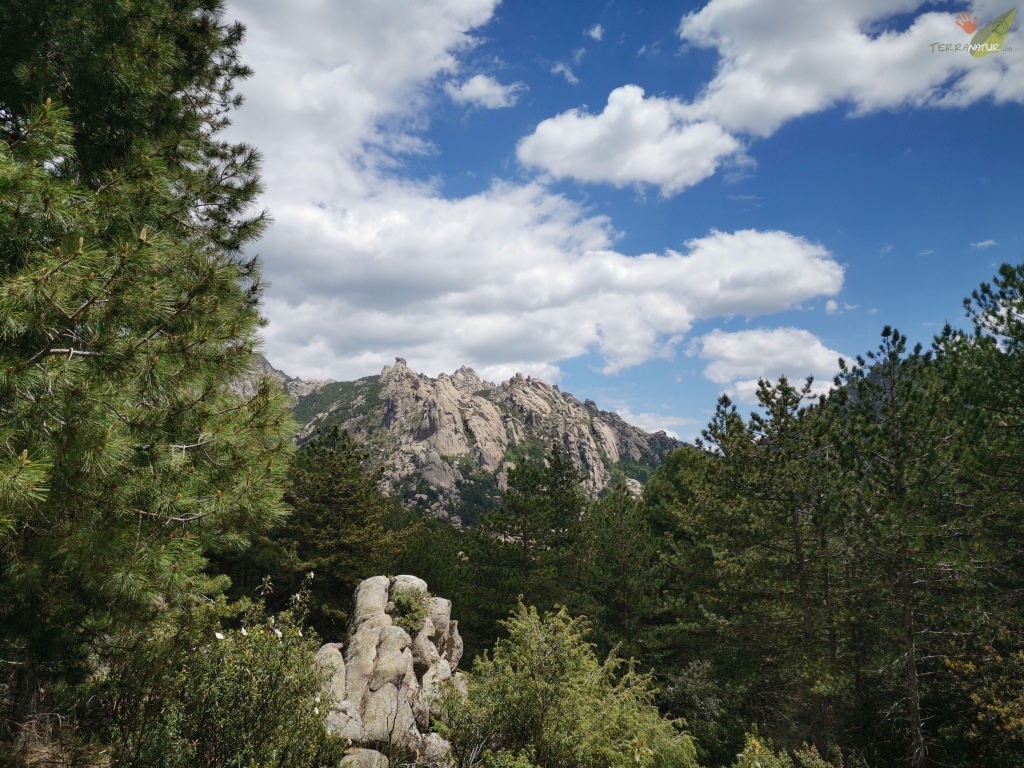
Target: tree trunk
{"points": [[917, 758]]}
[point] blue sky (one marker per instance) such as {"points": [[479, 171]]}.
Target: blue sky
{"points": [[648, 204]]}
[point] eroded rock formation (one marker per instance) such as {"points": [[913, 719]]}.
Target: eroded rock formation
{"points": [[385, 679], [435, 437]]}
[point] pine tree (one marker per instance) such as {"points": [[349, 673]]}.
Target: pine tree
{"points": [[341, 529], [915, 525], [126, 307], [539, 515], [753, 558]]}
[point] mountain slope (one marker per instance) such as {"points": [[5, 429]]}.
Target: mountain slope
{"points": [[446, 444]]}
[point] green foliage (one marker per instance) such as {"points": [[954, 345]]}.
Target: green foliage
{"points": [[539, 515], [148, 86], [834, 566], [543, 699], [905, 448], [194, 695], [126, 308], [615, 571], [125, 457], [750, 558], [341, 529], [758, 754], [360, 398], [626, 468], [411, 608]]}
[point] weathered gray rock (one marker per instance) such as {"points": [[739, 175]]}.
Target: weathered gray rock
{"points": [[424, 652], [388, 717], [390, 682], [450, 430], [360, 661], [451, 645], [363, 758], [434, 750], [440, 612], [407, 583], [392, 663], [330, 659], [371, 599], [344, 721], [431, 683]]}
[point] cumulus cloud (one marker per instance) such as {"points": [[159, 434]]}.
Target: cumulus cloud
{"points": [[778, 64], [596, 32], [365, 265], [512, 279], [635, 140], [984, 244], [739, 359], [484, 91]]}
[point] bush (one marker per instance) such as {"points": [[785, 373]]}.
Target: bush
{"points": [[411, 608], [194, 696], [543, 700], [758, 753]]}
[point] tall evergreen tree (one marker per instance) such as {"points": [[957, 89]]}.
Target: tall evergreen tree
{"points": [[753, 557], [903, 444], [539, 515], [341, 529], [126, 308]]}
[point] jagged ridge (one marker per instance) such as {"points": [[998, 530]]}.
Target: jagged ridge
{"points": [[447, 443]]}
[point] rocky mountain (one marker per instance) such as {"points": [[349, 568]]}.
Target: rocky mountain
{"points": [[447, 444], [295, 387]]}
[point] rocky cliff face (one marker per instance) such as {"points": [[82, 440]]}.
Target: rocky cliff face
{"points": [[449, 442]]}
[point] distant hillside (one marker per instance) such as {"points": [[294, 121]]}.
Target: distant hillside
{"points": [[296, 388], [446, 444]]}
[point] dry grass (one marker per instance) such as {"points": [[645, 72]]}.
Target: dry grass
{"points": [[50, 741]]}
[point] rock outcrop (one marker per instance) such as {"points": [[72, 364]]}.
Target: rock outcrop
{"points": [[437, 437], [295, 387], [385, 679]]}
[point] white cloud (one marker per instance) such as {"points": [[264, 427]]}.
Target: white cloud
{"points": [[832, 307], [984, 244], [778, 64], [512, 279], [635, 140], [484, 91], [365, 266], [563, 70], [655, 422], [327, 75], [738, 360], [596, 32]]}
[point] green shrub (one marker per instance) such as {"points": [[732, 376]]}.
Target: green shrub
{"points": [[758, 753], [543, 700], [195, 696], [411, 608]]}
